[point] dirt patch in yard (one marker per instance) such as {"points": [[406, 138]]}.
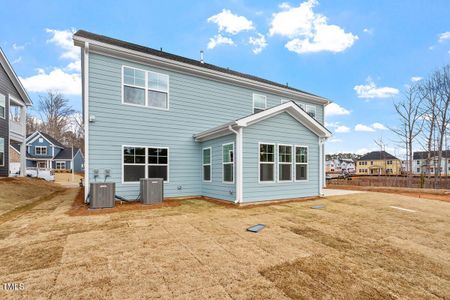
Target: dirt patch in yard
{"points": [[417, 193]]}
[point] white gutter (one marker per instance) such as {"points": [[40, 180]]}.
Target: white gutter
{"points": [[239, 163]]}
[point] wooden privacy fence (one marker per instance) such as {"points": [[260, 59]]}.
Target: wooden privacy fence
{"points": [[394, 181]]}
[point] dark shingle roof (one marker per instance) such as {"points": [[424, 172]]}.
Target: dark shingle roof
{"points": [[424, 154], [52, 140], [376, 155], [66, 153], [143, 49]]}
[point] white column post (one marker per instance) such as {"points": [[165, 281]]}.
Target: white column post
{"points": [[23, 144]]}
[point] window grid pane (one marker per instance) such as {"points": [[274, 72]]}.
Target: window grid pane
{"points": [[228, 153]]}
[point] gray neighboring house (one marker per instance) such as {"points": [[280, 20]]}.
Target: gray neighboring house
{"points": [[45, 152], [208, 131], [14, 101]]}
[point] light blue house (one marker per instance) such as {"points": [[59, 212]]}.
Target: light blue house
{"points": [[208, 131], [46, 152]]}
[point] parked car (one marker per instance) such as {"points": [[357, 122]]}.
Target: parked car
{"points": [[46, 174]]}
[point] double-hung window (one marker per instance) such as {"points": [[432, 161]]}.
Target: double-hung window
{"points": [[41, 150], [145, 88], [207, 164], [145, 162], [133, 164], [259, 103], [133, 86], [284, 163], [60, 165], [2, 151], [158, 162], [2, 106], [266, 162], [228, 162], [311, 110], [301, 163]]}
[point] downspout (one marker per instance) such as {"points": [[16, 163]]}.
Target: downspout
{"points": [[238, 163], [321, 170], [86, 117]]}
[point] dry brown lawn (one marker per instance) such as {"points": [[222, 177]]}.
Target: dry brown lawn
{"points": [[357, 247]]}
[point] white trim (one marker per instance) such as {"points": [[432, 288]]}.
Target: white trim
{"points": [[298, 102], [300, 163], [239, 165], [274, 162], [260, 108], [284, 163], [85, 77], [321, 168], [145, 88], [232, 163], [138, 56], [32, 139], [146, 164], [60, 162], [209, 164], [14, 79]]}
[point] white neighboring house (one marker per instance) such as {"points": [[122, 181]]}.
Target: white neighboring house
{"points": [[340, 165], [420, 165]]}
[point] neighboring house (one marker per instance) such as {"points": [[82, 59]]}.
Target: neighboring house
{"points": [[378, 163], [208, 131], [14, 158], [423, 165], [329, 166], [13, 110], [347, 166], [340, 165], [45, 152]]}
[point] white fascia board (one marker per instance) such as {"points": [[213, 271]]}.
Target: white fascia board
{"points": [[104, 48]]}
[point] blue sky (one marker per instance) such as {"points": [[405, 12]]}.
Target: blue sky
{"points": [[358, 54]]}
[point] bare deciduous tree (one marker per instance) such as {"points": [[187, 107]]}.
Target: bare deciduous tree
{"points": [[411, 122], [55, 113]]}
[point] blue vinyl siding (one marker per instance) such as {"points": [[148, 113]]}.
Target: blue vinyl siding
{"points": [[44, 143], [217, 188], [196, 104], [280, 129]]}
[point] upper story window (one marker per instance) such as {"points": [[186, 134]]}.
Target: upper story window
{"points": [[2, 106], [40, 150], [145, 88], [311, 110], [259, 103]]}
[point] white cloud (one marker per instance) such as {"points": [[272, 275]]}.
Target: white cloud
{"points": [[363, 128], [217, 40], [444, 36], [66, 80], [56, 80], [18, 47], [334, 140], [231, 23], [17, 60], [309, 32], [342, 129], [259, 43], [362, 151], [370, 90], [334, 109], [416, 78], [379, 126], [368, 30]]}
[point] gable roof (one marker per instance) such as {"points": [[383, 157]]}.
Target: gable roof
{"points": [[81, 35], [66, 153], [4, 62], [49, 138], [424, 154], [289, 107], [377, 155]]}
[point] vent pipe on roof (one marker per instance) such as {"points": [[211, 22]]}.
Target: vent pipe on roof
{"points": [[201, 56]]}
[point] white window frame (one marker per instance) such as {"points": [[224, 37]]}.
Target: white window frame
{"points": [[307, 106], [4, 107], [3, 151], [146, 89], [208, 164], [60, 162], [265, 102], [227, 163], [275, 159], [40, 147], [284, 163], [300, 163], [146, 164]]}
